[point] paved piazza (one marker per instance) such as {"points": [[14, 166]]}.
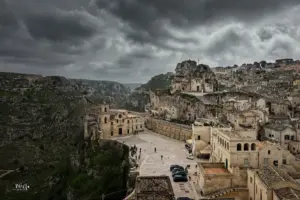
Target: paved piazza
{"points": [[173, 152]]}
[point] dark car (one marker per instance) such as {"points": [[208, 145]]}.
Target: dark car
{"points": [[180, 178], [183, 173], [177, 169], [184, 198], [174, 166]]}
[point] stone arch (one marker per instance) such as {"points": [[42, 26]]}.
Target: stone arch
{"points": [[239, 147], [253, 146], [105, 120], [246, 147]]}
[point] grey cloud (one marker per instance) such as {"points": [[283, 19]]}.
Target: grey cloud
{"points": [[132, 40], [148, 16], [60, 26]]}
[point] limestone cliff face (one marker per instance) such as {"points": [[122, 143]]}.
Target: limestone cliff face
{"points": [[42, 134], [190, 69], [140, 96], [112, 93]]}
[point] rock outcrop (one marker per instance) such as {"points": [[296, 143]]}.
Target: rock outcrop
{"points": [[140, 96]]}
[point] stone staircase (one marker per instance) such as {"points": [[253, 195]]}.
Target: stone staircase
{"points": [[222, 192]]}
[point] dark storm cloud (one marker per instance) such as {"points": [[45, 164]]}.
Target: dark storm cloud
{"points": [[59, 26], [45, 36], [148, 16]]}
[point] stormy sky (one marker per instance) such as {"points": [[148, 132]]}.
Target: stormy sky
{"points": [[132, 40]]}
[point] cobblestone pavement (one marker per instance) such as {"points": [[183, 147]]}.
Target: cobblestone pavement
{"points": [[173, 152]]}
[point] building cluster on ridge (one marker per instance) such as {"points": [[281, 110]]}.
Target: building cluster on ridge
{"points": [[245, 121]]}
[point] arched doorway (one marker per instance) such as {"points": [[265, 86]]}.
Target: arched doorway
{"points": [[120, 131]]}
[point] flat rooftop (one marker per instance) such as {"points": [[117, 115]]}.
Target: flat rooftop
{"points": [[216, 170], [248, 135], [213, 169]]}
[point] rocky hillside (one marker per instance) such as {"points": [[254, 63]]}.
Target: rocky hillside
{"points": [[41, 138], [132, 86], [103, 91], [140, 96]]}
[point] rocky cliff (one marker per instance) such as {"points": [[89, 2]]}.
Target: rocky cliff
{"points": [[140, 96], [111, 92], [41, 138]]}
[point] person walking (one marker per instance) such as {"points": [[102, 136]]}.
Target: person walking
{"points": [[154, 149], [161, 157]]}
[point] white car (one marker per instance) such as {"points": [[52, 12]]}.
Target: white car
{"points": [[190, 156]]}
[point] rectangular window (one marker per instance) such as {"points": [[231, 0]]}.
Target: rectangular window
{"points": [[246, 162], [292, 137]]}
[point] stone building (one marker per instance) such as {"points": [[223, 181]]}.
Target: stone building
{"points": [[242, 149], [113, 122], [235, 148], [270, 183], [216, 181], [274, 155], [280, 133], [201, 133]]}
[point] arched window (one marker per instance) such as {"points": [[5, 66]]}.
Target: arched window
{"points": [[253, 147], [105, 109], [227, 145], [246, 147], [239, 147], [127, 121], [105, 120]]}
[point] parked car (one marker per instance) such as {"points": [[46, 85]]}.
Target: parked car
{"points": [[180, 178], [183, 173], [177, 169], [174, 166], [184, 198]]}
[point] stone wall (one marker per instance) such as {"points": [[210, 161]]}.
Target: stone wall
{"points": [[169, 129]]}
